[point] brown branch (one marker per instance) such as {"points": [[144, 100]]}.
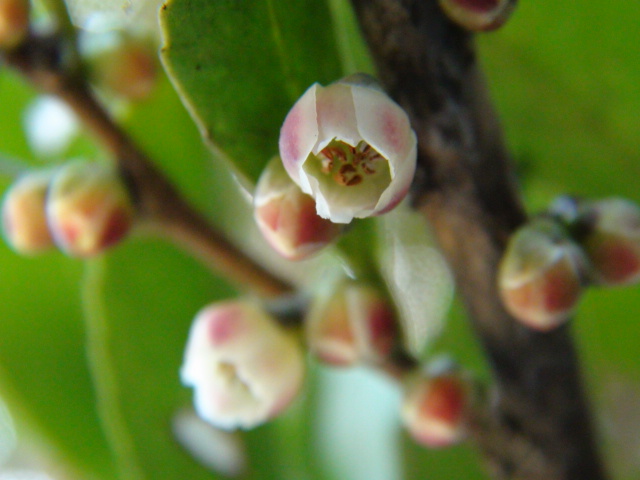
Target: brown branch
{"points": [[539, 427], [42, 62]]}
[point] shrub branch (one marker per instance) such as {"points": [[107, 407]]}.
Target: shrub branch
{"points": [[539, 426]]}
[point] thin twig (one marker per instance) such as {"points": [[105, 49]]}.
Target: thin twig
{"points": [[160, 205], [540, 427]]}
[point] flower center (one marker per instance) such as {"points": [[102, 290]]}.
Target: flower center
{"points": [[348, 165]]}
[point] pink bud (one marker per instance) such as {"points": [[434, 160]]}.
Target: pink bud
{"points": [[23, 213], [14, 22], [244, 368], [435, 408], [89, 208], [356, 324], [287, 217], [479, 15], [613, 241], [541, 275], [350, 147]]}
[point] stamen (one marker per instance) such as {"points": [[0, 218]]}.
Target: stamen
{"points": [[348, 164]]}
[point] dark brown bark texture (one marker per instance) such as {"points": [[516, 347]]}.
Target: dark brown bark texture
{"points": [[538, 425]]}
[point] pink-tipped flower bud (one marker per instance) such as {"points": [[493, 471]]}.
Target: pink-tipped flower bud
{"points": [[479, 15], [23, 213], [14, 22], [435, 406], [89, 208], [350, 147], [356, 324], [122, 65], [287, 217], [613, 241], [541, 275], [245, 368]]}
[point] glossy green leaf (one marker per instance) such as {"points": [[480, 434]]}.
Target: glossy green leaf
{"points": [[240, 66], [140, 301]]}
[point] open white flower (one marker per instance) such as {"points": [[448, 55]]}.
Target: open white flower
{"points": [[244, 368], [350, 147]]}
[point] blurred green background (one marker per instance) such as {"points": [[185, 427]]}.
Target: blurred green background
{"points": [[89, 351]]}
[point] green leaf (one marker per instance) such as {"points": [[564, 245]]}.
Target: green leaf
{"points": [[43, 370], [240, 66], [140, 301], [14, 96]]}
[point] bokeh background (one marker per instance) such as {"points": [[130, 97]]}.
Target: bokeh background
{"points": [[90, 351]]}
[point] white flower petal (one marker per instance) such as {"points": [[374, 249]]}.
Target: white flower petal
{"points": [[299, 133], [397, 190], [336, 116], [383, 125]]}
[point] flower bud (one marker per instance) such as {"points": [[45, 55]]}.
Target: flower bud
{"points": [[14, 22], [23, 213], [287, 217], [88, 208], [435, 407], [356, 324], [244, 368], [125, 66], [541, 275], [479, 15], [350, 147], [613, 241]]}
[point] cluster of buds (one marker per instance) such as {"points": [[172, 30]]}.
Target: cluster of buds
{"points": [[479, 15], [244, 368], [550, 260], [349, 152], [437, 403], [14, 22], [83, 208]]}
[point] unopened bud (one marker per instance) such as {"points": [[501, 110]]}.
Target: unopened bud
{"points": [[479, 15], [244, 368], [613, 241], [287, 217], [435, 407], [14, 22], [356, 324], [125, 66], [89, 208], [23, 213], [541, 275]]}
